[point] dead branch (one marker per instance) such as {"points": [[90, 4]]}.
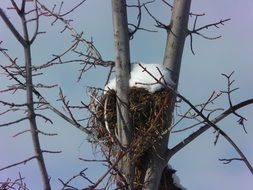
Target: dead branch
{"points": [[67, 107], [228, 161], [92, 160], [12, 27], [51, 152], [47, 134], [190, 114], [137, 27], [238, 150], [19, 163], [15, 184], [197, 30], [36, 19], [158, 23], [31, 116], [12, 104], [13, 122], [229, 91], [113, 166], [80, 174], [22, 132], [45, 118], [210, 123], [216, 24], [164, 1], [58, 16], [38, 94]]}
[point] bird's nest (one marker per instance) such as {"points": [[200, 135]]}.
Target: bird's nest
{"points": [[148, 113], [146, 118]]}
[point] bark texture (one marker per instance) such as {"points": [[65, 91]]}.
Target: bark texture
{"points": [[122, 55], [176, 34]]}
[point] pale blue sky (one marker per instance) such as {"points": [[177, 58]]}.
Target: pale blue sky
{"points": [[198, 166]]}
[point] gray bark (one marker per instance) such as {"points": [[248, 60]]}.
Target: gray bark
{"points": [[122, 54], [177, 32], [30, 108], [32, 120], [176, 35]]}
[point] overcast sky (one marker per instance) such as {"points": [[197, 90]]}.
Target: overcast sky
{"points": [[198, 166]]}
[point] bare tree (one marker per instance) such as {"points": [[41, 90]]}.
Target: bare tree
{"points": [[26, 42], [120, 148], [177, 31]]}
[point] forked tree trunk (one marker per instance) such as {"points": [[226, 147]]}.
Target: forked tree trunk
{"points": [[155, 160]]}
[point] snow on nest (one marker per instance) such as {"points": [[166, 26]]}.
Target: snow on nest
{"points": [[176, 180], [142, 79]]}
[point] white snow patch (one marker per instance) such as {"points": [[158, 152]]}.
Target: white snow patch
{"points": [[142, 79], [176, 180]]}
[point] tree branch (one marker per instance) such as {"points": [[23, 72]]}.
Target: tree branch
{"points": [[18, 163], [12, 28], [13, 122], [179, 146], [30, 106], [209, 124], [197, 30]]}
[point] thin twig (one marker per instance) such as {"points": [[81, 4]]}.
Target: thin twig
{"points": [[19, 163]]}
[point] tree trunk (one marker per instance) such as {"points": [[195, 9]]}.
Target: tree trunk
{"points": [[124, 131], [154, 163], [31, 115], [176, 34], [30, 108]]}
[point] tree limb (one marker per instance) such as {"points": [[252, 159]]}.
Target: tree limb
{"points": [[209, 124], [12, 28]]}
